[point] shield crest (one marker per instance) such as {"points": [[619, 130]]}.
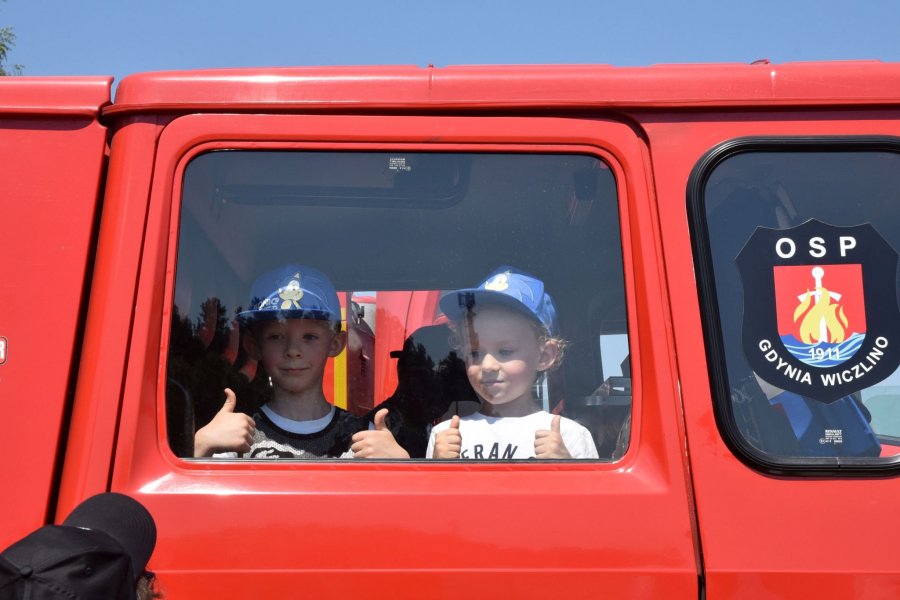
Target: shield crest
{"points": [[821, 313], [820, 308]]}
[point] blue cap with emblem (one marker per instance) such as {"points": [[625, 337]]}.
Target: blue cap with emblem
{"points": [[509, 287], [292, 292]]}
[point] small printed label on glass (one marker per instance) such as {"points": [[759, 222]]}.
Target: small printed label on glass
{"points": [[398, 163]]}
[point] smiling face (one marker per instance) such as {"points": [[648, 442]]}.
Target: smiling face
{"points": [[294, 352], [503, 358]]}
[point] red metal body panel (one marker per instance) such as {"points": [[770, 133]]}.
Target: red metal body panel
{"points": [[765, 536], [470, 88], [406, 528], [52, 152], [89, 450], [637, 527], [71, 96]]}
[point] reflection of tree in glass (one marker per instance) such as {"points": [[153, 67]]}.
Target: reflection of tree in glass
{"points": [[454, 384], [204, 359], [425, 393]]}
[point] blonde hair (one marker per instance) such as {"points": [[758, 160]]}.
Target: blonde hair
{"points": [[146, 588], [457, 335], [561, 345]]}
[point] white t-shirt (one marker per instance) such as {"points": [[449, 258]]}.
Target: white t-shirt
{"points": [[488, 438], [301, 427]]}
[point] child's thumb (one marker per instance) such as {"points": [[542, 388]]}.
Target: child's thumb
{"points": [[454, 422], [230, 401], [380, 417], [554, 424]]}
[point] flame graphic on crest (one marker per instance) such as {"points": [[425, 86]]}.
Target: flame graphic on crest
{"points": [[820, 319]]}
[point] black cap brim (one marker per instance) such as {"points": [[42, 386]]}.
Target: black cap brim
{"points": [[124, 519]]}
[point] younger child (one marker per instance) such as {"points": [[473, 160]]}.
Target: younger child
{"points": [[506, 330], [293, 326]]}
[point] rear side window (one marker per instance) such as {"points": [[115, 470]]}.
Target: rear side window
{"points": [[796, 246], [394, 231]]}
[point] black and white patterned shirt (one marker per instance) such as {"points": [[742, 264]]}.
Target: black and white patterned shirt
{"points": [[278, 437]]}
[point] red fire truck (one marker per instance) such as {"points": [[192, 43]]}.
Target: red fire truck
{"points": [[720, 241]]}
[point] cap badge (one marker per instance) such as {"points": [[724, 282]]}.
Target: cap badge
{"points": [[498, 283], [291, 293]]}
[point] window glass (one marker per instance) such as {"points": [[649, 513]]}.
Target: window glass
{"points": [[801, 244], [394, 232]]}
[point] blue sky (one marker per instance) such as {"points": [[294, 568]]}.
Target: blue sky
{"points": [[118, 37]]}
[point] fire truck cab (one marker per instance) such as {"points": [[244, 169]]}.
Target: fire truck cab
{"points": [[720, 242]]}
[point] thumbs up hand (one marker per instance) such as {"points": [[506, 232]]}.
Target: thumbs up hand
{"points": [[227, 432], [448, 443], [549, 444], [377, 442]]}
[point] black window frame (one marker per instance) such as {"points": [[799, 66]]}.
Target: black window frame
{"points": [[720, 389]]}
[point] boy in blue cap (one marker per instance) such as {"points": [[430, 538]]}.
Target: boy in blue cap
{"points": [[506, 328], [293, 326]]}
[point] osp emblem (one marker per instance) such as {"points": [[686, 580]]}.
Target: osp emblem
{"points": [[820, 308]]}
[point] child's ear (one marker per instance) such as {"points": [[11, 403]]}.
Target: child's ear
{"points": [[337, 343], [549, 354], [251, 347]]}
